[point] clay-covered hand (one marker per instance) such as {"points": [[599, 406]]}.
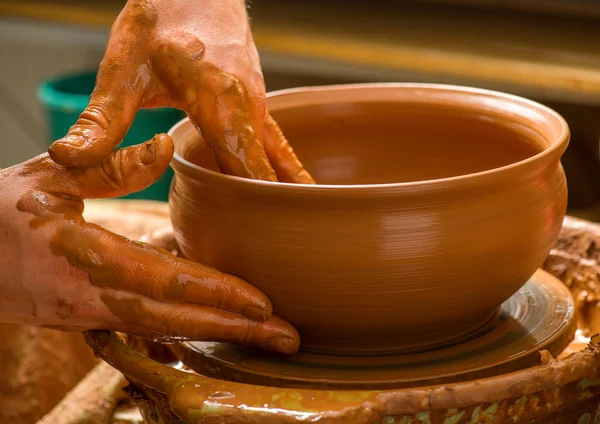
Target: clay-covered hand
{"points": [[59, 271], [194, 55]]}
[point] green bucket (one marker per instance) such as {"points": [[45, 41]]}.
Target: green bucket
{"points": [[66, 97]]}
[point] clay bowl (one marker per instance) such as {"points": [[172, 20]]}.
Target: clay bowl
{"points": [[435, 204]]}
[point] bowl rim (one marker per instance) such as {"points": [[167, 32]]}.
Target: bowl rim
{"points": [[555, 149]]}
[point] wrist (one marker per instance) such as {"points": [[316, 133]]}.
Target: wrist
{"points": [[201, 5], [209, 16]]}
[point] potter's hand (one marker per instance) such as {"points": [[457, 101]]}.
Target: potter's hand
{"points": [[195, 55], [61, 272]]}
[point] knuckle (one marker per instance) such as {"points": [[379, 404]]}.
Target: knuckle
{"points": [[175, 287], [113, 170], [67, 310], [231, 85], [219, 300], [144, 12], [182, 44], [95, 114], [137, 14], [259, 99], [246, 334], [173, 318]]}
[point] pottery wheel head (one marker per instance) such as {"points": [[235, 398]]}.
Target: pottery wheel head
{"points": [[540, 317]]}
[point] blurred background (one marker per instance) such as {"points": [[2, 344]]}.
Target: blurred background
{"points": [[547, 50]]}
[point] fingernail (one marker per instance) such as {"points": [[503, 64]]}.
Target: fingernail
{"points": [[255, 313], [148, 153], [283, 344]]}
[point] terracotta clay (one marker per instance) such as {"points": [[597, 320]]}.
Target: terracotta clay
{"points": [[86, 277], [563, 391], [195, 55], [552, 387], [434, 205], [576, 261], [540, 316], [36, 375]]}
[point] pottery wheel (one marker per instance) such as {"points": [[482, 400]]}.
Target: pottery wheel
{"points": [[538, 317]]}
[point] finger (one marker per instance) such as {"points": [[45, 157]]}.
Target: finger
{"points": [[120, 85], [221, 111], [286, 164], [128, 170], [113, 261], [195, 322]]}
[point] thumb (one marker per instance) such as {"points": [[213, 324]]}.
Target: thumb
{"points": [[103, 124], [127, 171]]}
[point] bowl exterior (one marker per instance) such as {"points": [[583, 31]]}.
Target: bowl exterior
{"points": [[395, 271]]}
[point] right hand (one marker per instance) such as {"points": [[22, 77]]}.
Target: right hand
{"points": [[195, 55], [61, 272]]}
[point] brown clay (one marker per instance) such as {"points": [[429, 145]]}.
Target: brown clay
{"points": [[558, 392], [576, 261], [36, 375], [434, 205], [86, 277], [195, 399], [198, 56], [539, 317]]}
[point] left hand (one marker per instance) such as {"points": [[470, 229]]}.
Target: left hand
{"points": [[59, 271]]}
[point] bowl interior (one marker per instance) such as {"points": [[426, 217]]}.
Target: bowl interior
{"points": [[393, 142]]}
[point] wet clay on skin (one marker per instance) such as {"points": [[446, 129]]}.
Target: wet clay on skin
{"points": [[378, 143], [162, 53], [397, 268], [109, 281]]}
